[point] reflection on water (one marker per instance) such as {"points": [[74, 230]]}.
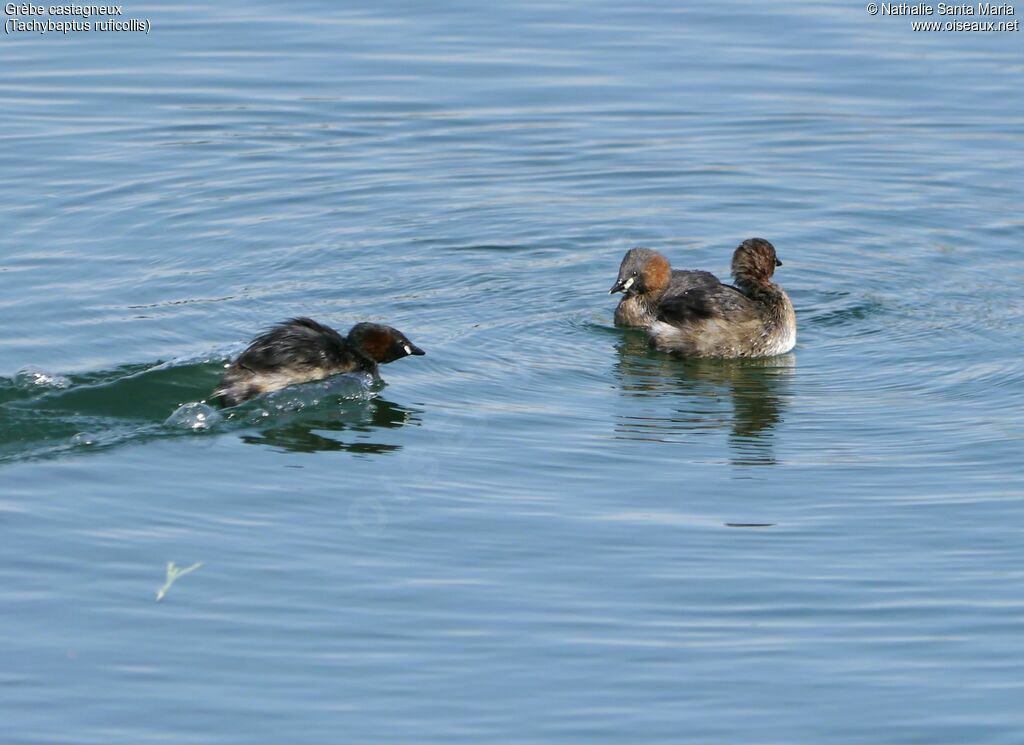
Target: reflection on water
{"points": [[668, 399], [319, 430]]}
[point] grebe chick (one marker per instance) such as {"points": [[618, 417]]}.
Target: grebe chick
{"points": [[645, 277], [753, 319], [301, 350]]}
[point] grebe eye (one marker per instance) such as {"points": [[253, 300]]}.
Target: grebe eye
{"points": [[636, 273]]}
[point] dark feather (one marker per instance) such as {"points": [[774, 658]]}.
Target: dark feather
{"points": [[688, 279], [299, 342], [706, 301]]}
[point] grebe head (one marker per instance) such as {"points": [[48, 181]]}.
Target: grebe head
{"points": [[754, 262], [642, 272], [380, 343]]}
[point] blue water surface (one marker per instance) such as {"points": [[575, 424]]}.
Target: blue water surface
{"points": [[542, 531]]}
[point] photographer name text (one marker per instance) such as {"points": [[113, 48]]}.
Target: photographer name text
{"points": [[959, 17]]}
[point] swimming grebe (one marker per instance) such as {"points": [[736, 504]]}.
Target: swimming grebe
{"points": [[644, 278], [301, 350], [702, 317]]}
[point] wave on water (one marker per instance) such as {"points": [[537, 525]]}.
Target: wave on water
{"points": [[44, 414]]}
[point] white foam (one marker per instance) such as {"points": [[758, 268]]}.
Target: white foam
{"points": [[33, 378]]}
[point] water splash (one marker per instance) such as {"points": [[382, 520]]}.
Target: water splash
{"points": [[31, 379], [195, 416]]}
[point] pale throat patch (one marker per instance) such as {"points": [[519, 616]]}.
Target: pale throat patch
{"points": [[407, 348], [628, 283]]}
